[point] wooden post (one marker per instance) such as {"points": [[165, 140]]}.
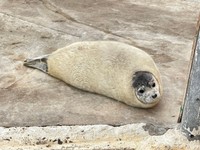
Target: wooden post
{"points": [[190, 122]]}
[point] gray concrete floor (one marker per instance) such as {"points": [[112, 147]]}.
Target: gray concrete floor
{"points": [[28, 97], [164, 29], [29, 29], [130, 137]]}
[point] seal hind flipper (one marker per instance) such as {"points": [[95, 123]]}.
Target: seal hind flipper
{"points": [[39, 63]]}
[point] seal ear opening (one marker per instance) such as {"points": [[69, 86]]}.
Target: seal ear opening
{"points": [[39, 63]]}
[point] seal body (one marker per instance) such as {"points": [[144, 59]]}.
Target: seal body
{"points": [[113, 69]]}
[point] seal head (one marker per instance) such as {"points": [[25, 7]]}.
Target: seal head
{"points": [[146, 87]]}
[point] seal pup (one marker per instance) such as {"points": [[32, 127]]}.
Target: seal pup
{"points": [[109, 68]]}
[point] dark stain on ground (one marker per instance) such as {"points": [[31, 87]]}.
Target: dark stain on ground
{"points": [[154, 129], [158, 57], [60, 142], [162, 58], [41, 142]]}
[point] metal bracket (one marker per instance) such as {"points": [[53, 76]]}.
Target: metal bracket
{"points": [[190, 122]]}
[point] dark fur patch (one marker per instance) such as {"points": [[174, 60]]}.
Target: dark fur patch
{"points": [[142, 78]]}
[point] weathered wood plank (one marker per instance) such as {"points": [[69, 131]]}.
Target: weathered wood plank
{"points": [[191, 112]]}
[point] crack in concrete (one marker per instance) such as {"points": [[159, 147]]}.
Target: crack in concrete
{"points": [[56, 10], [21, 78], [56, 30]]}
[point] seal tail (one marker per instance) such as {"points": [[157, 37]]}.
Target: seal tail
{"points": [[39, 63]]}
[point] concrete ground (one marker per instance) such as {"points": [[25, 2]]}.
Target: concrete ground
{"points": [[127, 137], [164, 29]]}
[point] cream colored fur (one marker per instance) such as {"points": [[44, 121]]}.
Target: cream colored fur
{"points": [[104, 67]]}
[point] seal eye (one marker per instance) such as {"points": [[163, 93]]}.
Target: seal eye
{"points": [[141, 91], [153, 85]]}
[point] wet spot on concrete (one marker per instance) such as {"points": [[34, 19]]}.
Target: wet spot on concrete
{"points": [[155, 129]]}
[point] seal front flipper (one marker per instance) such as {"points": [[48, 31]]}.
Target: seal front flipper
{"points": [[39, 63]]}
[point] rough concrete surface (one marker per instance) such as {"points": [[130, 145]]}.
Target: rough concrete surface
{"points": [[32, 28], [28, 28], [93, 137]]}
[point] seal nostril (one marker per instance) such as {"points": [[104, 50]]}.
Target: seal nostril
{"points": [[154, 96]]}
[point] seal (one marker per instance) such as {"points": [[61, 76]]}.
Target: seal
{"points": [[113, 69]]}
